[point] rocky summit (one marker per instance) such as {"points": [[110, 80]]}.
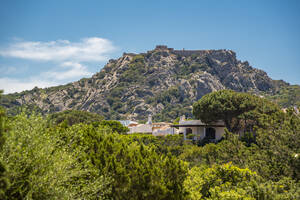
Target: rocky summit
{"points": [[162, 82]]}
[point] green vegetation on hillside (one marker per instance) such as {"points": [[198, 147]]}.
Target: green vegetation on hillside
{"points": [[287, 96], [135, 70]]}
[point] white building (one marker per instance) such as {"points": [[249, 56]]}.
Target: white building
{"points": [[163, 130], [197, 130], [156, 129], [141, 128]]}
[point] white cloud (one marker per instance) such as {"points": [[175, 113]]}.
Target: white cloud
{"points": [[67, 71], [75, 70], [88, 49], [66, 56], [10, 85]]}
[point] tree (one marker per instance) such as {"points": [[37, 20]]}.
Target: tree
{"points": [[137, 170], [223, 105], [115, 126], [40, 167], [219, 181], [4, 182], [234, 108], [3, 124], [70, 117], [233, 183], [277, 141]]}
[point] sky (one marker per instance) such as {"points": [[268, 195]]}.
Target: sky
{"points": [[52, 42]]}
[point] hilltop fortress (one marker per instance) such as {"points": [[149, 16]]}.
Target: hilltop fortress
{"points": [[182, 52]]}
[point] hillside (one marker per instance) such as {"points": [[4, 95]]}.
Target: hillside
{"points": [[163, 82]]}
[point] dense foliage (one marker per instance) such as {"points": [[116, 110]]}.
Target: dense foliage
{"points": [[39, 167], [239, 111], [115, 126], [230, 182], [70, 117], [286, 96], [4, 183], [87, 160]]}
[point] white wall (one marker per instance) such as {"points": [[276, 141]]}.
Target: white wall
{"points": [[141, 128], [219, 132], [168, 131], [200, 132]]}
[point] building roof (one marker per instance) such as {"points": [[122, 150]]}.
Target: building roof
{"points": [[198, 123], [127, 122], [161, 123]]}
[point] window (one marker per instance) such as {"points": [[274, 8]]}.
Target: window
{"points": [[189, 131], [210, 133]]}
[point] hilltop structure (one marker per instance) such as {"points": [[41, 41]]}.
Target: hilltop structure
{"points": [[184, 52]]}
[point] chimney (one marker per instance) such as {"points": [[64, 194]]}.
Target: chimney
{"points": [[149, 119], [182, 118]]}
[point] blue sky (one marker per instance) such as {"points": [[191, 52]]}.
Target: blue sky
{"points": [[45, 43]]}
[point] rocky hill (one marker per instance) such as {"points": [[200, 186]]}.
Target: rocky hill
{"points": [[163, 82]]}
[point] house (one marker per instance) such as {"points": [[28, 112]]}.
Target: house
{"points": [[197, 130], [156, 129], [163, 129], [142, 128]]}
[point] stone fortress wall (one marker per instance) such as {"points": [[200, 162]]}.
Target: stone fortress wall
{"points": [[182, 52]]}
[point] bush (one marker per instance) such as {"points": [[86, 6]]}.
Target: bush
{"points": [[41, 168], [115, 126], [230, 182]]}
